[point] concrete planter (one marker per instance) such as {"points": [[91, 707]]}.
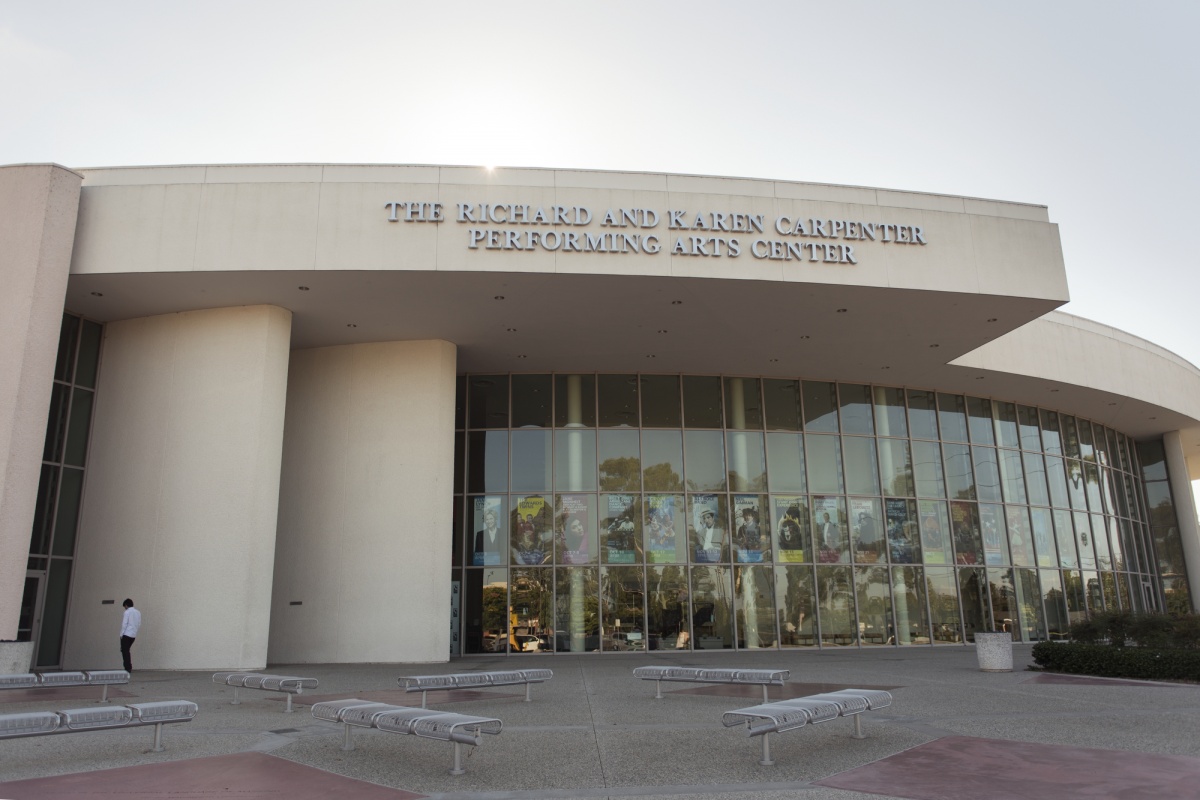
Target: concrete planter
{"points": [[994, 651], [15, 657]]}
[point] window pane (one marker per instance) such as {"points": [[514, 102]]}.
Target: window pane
{"points": [[56, 423], [952, 417], [1057, 479], [751, 536], [782, 404], [533, 531], [889, 411], [488, 398], [968, 541], [89, 354], [531, 610], [575, 529], [1004, 415], [904, 537], [1051, 439], [1020, 539], [75, 452], [707, 526], [1035, 479], [54, 613], [979, 415], [660, 401], [908, 599], [744, 402], [874, 594], [830, 534], [67, 521], [1003, 600], [862, 472], [960, 481], [927, 469], [68, 335], [620, 461], [618, 400], [972, 590], [577, 628], [922, 414], [895, 467], [1031, 434], [575, 460], [1043, 537], [836, 605], [785, 462], [1064, 537], [935, 532], [662, 461], [820, 407], [531, 401], [1011, 476], [867, 531], [702, 402], [793, 528], [531, 458], [1070, 435], [856, 408], [487, 461], [1055, 604], [575, 401], [747, 461], [667, 617], [943, 604], [1029, 605], [491, 540], [824, 462], [620, 529], [666, 542], [712, 617], [987, 474], [797, 600], [621, 605], [704, 453], [754, 604]]}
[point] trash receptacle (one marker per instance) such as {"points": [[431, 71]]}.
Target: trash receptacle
{"points": [[994, 651]]}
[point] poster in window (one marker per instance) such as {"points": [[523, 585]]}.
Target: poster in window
{"points": [[790, 516], [663, 544], [531, 531], [829, 534], [491, 542], [751, 539], [575, 534], [903, 538], [619, 525], [866, 530], [707, 534]]}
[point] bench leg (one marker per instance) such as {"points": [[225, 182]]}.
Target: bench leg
{"points": [[346, 743], [765, 700], [423, 696], [236, 701], [104, 694], [658, 690], [288, 710], [158, 748], [766, 761], [528, 686], [458, 770], [858, 732]]}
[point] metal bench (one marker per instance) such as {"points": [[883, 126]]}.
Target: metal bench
{"points": [[754, 677], [287, 684], [474, 680], [458, 729], [787, 715], [74, 720], [39, 680]]}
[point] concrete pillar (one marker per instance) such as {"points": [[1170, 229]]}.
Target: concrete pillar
{"points": [[38, 208], [181, 501], [362, 563], [1185, 511]]}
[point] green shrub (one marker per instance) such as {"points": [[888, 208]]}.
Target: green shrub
{"points": [[1141, 663], [1152, 630], [1117, 628]]}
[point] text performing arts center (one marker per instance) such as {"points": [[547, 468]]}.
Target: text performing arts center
{"points": [[324, 414]]}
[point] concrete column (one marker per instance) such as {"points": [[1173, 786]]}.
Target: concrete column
{"points": [[38, 208], [362, 564], [1185, 511], [182, 492], [575, 466]]}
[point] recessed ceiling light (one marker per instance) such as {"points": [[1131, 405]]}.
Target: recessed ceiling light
{"points": [[511, 330], [935, 345], [994, 319], [841, 311], [978, 377], [351, 325], [676, 302], [885, 367], [302, 288], [650, 356], [522, 356], [805, 337], [662, 330], [1054, 390], [774, 360], [97, 294], [498, 297]]}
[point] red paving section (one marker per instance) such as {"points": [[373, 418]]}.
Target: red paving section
{"points": [[967, 768], [244, 776]]}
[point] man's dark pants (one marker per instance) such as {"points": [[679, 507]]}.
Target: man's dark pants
{"points": [[126, 643]]}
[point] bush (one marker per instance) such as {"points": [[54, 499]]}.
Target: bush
{"points": [[1141, 663], [1152, 630], [1117, 628]]}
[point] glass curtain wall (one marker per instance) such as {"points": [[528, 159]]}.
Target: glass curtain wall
{"points": [[619, 512]]}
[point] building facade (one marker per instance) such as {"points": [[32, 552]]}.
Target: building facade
{"points": [[318, 413]]}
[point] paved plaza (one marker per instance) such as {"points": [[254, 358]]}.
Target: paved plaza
{"points": [[594, 731]]}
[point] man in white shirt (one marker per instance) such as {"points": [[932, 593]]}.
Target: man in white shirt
{"points": [[129, 630]]}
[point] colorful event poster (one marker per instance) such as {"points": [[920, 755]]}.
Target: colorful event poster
{"points": [[531, 539], [790, 520], [575, 534], [903, 538], [707, 531], [829, 537], [964, 523], [934, 524], [619, 526], [866, 529], [991, 522], [663, 544], [751, 540], [491, 542]]}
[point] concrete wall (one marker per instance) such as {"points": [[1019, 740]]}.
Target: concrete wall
{"points": [[366, 504], [38, 205], [182, 490]]}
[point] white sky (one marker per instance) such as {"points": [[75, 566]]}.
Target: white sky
{"points": [[1090, 108]]}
